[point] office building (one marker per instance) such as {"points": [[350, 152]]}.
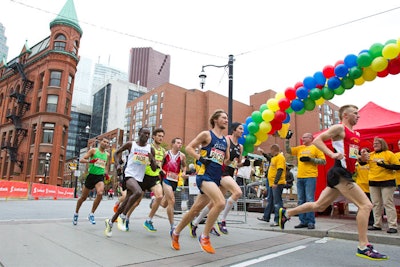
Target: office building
{"points": [[3, 44]]}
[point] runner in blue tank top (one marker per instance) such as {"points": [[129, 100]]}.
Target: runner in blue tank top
{"points": [[214, 153]]}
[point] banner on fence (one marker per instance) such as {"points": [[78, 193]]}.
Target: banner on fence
{"points": [[13, 189]]}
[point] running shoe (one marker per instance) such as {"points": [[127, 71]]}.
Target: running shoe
{"points": [[75, 219], [121, 224], [214, 232], [282, 218], [174, 240], [371, 254], [108, 230], [91, 218], [206, 245], [222, 227], [116, 206], [192, 229], [148, 225]]}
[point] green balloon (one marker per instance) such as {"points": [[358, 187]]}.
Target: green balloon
{"points": [[263, 107], [253, 127], [256, 116], [355, 72], [289, 110], [248, 148], [309, 104], [347, 83], [364, 60], [376, 50], [315, 94], [339, 91], [301, 111], [250, 139], [327, 93]]}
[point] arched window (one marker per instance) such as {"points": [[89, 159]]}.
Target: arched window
{"points": [[60, 42], [76, 46]]}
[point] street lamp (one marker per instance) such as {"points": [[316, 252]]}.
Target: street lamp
{"points": [[46, 166], [203, 77]]}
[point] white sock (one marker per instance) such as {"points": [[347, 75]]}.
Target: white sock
{"points": [[228, 207], [202, 214]]}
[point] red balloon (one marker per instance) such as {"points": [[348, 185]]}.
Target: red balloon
{"points": [[383, 73], [280, 116], [320, 86], [284, 103], [290, 93], [328, 71], [276, 125], [339, 62], [394, 66], [298, 84]]}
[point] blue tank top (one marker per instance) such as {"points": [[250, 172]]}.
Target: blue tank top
{"points": [[216, 151]]}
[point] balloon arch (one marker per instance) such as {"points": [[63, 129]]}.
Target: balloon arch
{"points": [[274, 115]]}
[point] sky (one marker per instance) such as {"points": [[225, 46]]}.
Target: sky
{"points": [[275, 43]]}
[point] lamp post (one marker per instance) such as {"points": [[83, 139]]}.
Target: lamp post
{"points": [[203, 77], [46, 166]]}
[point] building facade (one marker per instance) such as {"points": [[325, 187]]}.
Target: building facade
{"points": [[184, 113], [148, 67], [36, 91], [3, 44]]}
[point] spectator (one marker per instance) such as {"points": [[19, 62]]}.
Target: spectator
{"points": [[382, 184], [308, 158], [398, 172]]}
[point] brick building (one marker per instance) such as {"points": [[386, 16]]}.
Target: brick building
{"points": [[184, 113], [36, 91]]}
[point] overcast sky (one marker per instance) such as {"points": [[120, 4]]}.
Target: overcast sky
{"points": [[275, 43]]}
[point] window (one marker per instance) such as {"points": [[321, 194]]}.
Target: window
{"points": [[66, 107], [41, 80], [52, 101], [60, 166], [1, 99], [29, 167], [55, 78], [75, 49], [33, 136], [64, 136], [153, 99], [38, 104], [70, 80], [48, 133], [60, 43]]}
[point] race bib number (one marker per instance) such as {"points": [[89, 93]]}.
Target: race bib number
{"points": [[353, 151], [140, 158], [217, 156], [100, 164], [172, 176], [234, 164]]}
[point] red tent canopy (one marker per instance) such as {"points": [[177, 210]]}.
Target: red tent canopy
{"points": [[378, 121], [374, 121]]}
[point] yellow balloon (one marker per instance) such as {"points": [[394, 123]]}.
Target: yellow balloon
{"points": [[279, 96], [272, 104], [391, 51], [268, 115], [359, 81], [369, 74], [379, 64], [320, 101], [257, 143], [261, 136], [265, 127]]}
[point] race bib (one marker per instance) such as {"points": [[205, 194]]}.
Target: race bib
{"points": [[172, 176], [140, 158], [217, 156], [353, 151], [100, 164]]}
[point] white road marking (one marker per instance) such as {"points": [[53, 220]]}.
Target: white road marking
{"points": [[268, 257]]}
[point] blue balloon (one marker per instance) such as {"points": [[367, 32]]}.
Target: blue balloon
{"points": [[350, 61], [287, 118], [297, 104], [302, 92], [241, 140], [249, 119], [320, 78], [309, 82], [334, 83], [245, 130], [341, 70]]}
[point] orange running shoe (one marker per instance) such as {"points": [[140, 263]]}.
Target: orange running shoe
{"points": [[116, 206], [174, 240], [206, 245]]}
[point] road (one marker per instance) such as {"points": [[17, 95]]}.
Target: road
{"points": [[40, 233]]}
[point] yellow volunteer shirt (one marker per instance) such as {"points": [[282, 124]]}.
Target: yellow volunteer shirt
{"points": [[362, 176], [307, 169], [397, 155], [277, 162], [377, 173]]}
